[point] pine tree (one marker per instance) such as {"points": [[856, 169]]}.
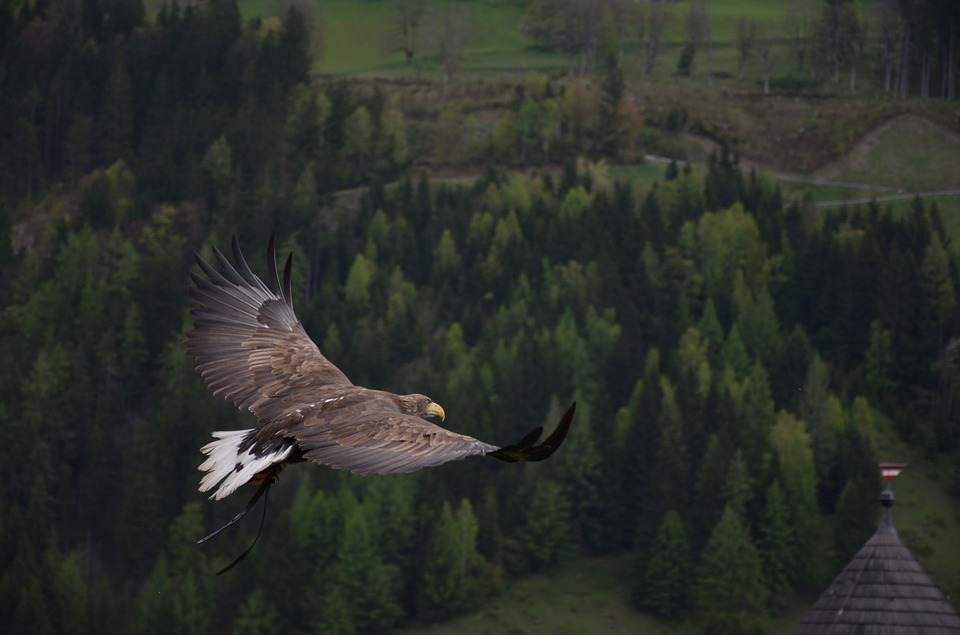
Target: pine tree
{"points": [[257, 616], [791, 443], [815, 410], [369, 586], [448, 584], [115, 124], [71, 594], [729, 590], [735, 353], [708, 503], [776, 545], [581, 479], [757, 416], [737, 490], [661, 583], [856, 517], [544, 536], [672, 463], [878, 363]]}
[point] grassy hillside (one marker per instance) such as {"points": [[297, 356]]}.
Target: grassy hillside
{"points": [[582, 596], [907, 152]]}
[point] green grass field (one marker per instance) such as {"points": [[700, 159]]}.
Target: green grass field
{"points": [[908, 152], [351, 35], [580, 597]]}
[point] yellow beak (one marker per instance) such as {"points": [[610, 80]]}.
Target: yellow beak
{"points": [[436, 410]]}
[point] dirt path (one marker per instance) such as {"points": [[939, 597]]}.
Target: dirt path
{"points": [[857, 157], [895, 193]]}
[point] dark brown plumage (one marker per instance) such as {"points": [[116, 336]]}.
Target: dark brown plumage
{"points": [[251, 349]]}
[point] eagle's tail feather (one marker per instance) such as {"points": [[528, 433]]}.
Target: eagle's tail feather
{"points": [[229, 468]]}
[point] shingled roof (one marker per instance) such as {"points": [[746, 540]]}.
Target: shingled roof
{"points": [[883, 591]]}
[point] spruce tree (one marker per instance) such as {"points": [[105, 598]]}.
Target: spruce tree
{"points": [[448, 585], [794, 453], [708, 503], [369, 586], [856, 517], [729, 592], [776, 542], [257, 616], [737, 490], [661, 582], [544, 536]]}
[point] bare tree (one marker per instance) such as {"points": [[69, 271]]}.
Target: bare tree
{"points": [[746, 39], [453, 31], [765, 51], [949, 82], [903, 68], [698, 36], [405, 28], [648, 19], [581, 31], [767, 58], [890, 32], [800, 16], [838, 33]]}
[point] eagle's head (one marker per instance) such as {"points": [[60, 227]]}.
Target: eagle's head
{"points": [[421, 406]]}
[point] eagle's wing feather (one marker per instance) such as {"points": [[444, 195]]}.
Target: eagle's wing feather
{"points": [[249, 346], [381, 442]]}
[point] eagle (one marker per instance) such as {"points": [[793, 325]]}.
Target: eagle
{"points": [[250, 349]]}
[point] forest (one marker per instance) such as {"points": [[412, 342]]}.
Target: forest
{"points": [[734, 353]]}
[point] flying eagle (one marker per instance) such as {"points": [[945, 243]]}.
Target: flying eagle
{"points": [[251, 349]]}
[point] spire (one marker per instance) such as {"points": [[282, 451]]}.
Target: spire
{"points": [[889, 472], [883, 590]]}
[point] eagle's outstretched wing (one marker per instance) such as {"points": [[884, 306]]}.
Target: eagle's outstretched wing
{"points": [[382, 442], [249, 346]]}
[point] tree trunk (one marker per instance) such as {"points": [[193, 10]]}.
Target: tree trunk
{"points": [[853, 78], [887, 65], [951, 56], [925, 74], [904, 89]]}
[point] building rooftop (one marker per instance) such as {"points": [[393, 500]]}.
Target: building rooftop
{"points": [[882, 591]]}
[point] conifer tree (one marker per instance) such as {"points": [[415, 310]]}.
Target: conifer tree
{"points": [[544, 536], [735, 353], [757, 416], [729, 591], [878, 363], [791, 443], [708, 503], [257, 616], [448, 585], [661, 582], [856, 517], [369, 586], [776, 544], [115, 125], [581, 479], [672, 463], [737, 490]]}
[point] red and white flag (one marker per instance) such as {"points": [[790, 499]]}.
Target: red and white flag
{"points": [[890, 471]]}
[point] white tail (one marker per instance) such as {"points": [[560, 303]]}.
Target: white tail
{"points": [[225, 463]]}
